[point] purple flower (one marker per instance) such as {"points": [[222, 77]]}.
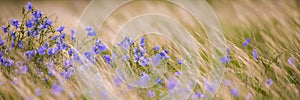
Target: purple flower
{"points": [[51, 72], [14, 81], [12, 34], [101, 47], [156, 48], [41, 50], [29, 23], [158, 80], [37, 14], [150, 94], [30, 54], [28, 6], [248, 96], [291, 61], [196, 96], [254, 54], [143, 79], [56, 89], [143, 61], [142, 42], [20, 44], [246, 42], [4, 29], [224, 59], [72, 35], [12, 44], [62, 36], [70, 52], [1, 42], [269, 82], [63, 46], [14, 22], [37, 92], [179, 62], [67, 63], [170, 83], [54, 37], [88, 55], [106, 58], [126, 43], [60, 29], [156, 59], [234, 92], [90, 31], [24, 69]]}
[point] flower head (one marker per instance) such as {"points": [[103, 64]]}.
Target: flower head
{"points": [[150, 94], [37, 92], [24, 69], [37, 14], [14, 22], [72, 35], [60, 29], [56, 89], [143, 61], [4, 29], [29, 23], [254, 54], [246, 42], [234, 92], [170, 83], [224, 59], [269, 82], [106, 58], [291, 61], [156, 48], [126, 43], [28, 6], [90, 31]]}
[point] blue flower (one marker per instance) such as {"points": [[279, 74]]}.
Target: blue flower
{"points": [[51, 72], [72, 35], [179, 62], [269, 82], [196, 96], [106, 58], [254, 54], [177, 73], [156, 48], [41, 50], [30, 53], [28, 6], [37, 92], [143, 61], [29, 24], [63, 46], [55, 49], [37, 14], [170, 83], [90, 31], [56, 89], [158, 80], [224, 59], [290, 60], [143, 79], [150, 94], [234, 92], [46, 24], [20, 44], [4, 29], [156, 59], [54, 37], [142, 42], [12, 34], [101, 47], [14, 22], [88, 55], [24, 69], [70, 52], [60, 29], [246, 42], [1, 42], [248, 96], [14, 81], [67, 63], [126, 43]]}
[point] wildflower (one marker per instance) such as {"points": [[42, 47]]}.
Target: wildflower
{"points": [[117, 81], [142, 42], [170, 83], [158, 80], [29, 23], [37, 92], [66, 74], [41, 50], [14, 81], [1, 42], [28, 6], [291, 61], [20, 44], [14, 22], [143, 79], [150, 94], [246, 42], [88, 55], [51, 72], [269, 82], [72, 34], [37, 14], [90, 31], [143, 61], [179, 62], [254, 54], [234, 92], [63, 46], [56, 89], [24, 69], [67, 63], [4, 29], [30, 53], [126, 43], [248, 96], [211, 87], [156, 48], [62, 36], [196, 96], [12, 44], [177, 73], [60, 29], [101, 47], [106, 58], [55, 49], [156, 59], [54, 37], [12, 34], [70, 52], [224, 59]]}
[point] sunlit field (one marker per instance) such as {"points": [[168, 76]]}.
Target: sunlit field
{"points": [[150, 50]]}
